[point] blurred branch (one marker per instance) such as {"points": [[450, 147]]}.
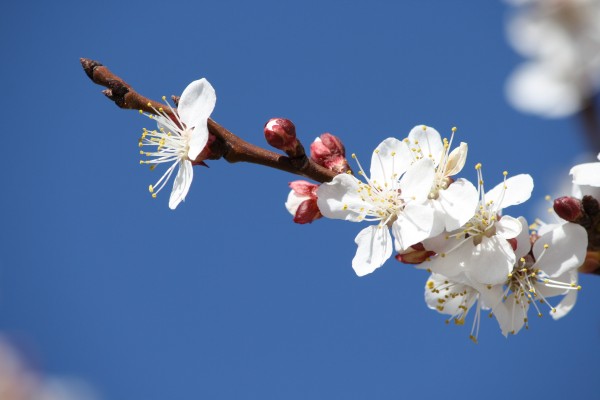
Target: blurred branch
{"points": [[226, 145], [591, 123]]}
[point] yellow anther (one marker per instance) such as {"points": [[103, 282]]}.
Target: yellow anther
{"points": [[141, 152], [430, 284], [345, 207], [553, 310], [453, 129], [150, 188], [376, 151], [353, 155], [424, 127], [547, 198], [393, 153], [149, 104], [164, 98], [152, 167], [473, 338], [505, 173], [141, 112], [546, 246], [160, 109], [153, 195], [141, 161], [578, 287], [478, 166]]}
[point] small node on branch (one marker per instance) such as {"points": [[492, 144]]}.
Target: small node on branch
{"points": [[89, 66]]}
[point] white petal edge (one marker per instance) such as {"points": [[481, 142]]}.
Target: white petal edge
{"points": [[374, 248], [197, 102], [181, 184]]}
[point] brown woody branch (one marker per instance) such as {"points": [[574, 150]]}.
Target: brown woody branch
{"points": [[226, 145]]}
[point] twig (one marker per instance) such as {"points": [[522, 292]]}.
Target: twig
{"points": [[227, 145]]}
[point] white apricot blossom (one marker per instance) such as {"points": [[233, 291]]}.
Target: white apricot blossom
{"points": [[454, 299], [393, 196], [480, 252], [544, 270], [179, 141], [454, 200]]}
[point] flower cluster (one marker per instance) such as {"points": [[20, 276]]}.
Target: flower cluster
{"points": [[478, 256]]}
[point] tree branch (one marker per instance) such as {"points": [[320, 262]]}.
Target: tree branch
{"points": [[227, 145]]}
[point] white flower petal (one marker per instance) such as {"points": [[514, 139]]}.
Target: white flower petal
{"points": [[197, 102], [182, 183], [446, 296], [537, 89], [568, 302], [413, 225], [451, 256], [339, 199], [428, 140], [586, 174], [523, 239], [567, 247], [198, 139], [293, 202], [374, 248], [513, 320], [456, 160], [508, 227], [389, 161], [490, 261], [416, 183], [516, 190], [458, 202]]}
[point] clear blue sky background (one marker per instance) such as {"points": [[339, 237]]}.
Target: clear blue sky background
{"points": [[226, 298]]}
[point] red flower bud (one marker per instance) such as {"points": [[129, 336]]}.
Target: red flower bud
{"points": [[281, 134], [569, 208], [328, 151], [415, 254], [302, 202]]}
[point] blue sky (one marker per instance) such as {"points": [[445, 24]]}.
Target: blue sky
{"points": [[225, 297]]}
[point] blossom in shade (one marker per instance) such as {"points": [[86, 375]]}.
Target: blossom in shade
{"points": [[393, 196], [455, 300], [302, 202], [481, 252], [181, 136], [545, 269]]}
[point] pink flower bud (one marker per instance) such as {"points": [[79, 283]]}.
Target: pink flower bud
{"points": [[569, 208], [328, 151], [302, 202], [281, 134]]}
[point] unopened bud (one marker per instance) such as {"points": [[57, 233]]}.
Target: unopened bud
{"points": [[569, 208], [302, 202], [281, 134], [328, 151], [415, 254]]}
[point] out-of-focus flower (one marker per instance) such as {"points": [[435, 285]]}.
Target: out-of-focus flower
{"points": [[18, 382], [480, 252], [302, 202], [180, 142], [561, 39], [393, 196], [587, 174]]}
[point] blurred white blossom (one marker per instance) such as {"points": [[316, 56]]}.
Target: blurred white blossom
{"points": [[561, 40]]}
